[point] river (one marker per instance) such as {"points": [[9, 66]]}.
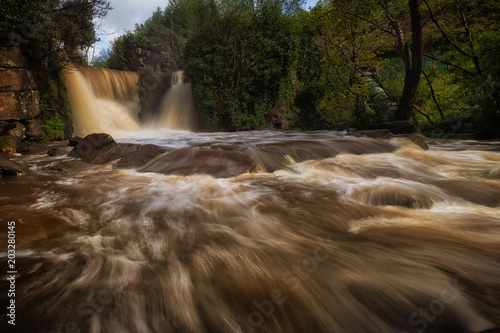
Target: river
{"points": [[344, 238]]}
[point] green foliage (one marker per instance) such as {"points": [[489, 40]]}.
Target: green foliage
{"points": [[5, 144], [53, 128], [255, 64], [239, 60], [55, 108], [53, 30]]}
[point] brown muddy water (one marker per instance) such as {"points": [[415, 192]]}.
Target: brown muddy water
{"points": [[324, 234]]}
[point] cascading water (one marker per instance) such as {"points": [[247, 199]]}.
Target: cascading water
{"points": [[103, 100], [177, 108], [107, 101]]}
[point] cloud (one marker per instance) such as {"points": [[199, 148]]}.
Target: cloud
{"points": [[122, 18]]}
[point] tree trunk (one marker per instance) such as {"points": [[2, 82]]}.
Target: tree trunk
{"points": [[414, 57]]}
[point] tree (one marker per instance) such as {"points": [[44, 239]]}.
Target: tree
{"points": [[413, 58]]}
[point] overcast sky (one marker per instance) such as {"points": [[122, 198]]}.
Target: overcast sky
{"points": [[126, 13]]}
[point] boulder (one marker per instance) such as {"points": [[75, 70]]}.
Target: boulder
{"points": [[11, 57], [10, 168], [419, 140], [19, 105], [90, 144]]}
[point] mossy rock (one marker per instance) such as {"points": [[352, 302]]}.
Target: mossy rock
{"points": [[419, 140], [7, 146]]}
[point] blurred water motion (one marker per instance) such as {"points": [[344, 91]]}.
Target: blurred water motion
{"points": [[402, 241]]}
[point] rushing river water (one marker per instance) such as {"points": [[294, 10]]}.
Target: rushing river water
{"points": [[372, 239]]}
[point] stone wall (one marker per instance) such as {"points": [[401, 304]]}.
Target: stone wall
{"points": [[19, 98]]}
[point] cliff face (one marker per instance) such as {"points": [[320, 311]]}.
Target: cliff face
{"points": [[19, 99]]}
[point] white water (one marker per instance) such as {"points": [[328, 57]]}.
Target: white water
{"points": [[402, 241]]}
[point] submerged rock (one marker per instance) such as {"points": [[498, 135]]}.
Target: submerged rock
{"points": [[109, 153], [140, 156], [215, 162], [10, 168]]}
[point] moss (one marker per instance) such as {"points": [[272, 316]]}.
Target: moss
{"points": [[55, 108], [7, 146], [53, 128]]}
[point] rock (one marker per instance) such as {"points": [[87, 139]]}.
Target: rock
{"points": [[19, 105], [140, 156], [215, 162], [11, 57], [90, 144], [399, 127], [109, 153], [10, 168], [16, 80], [13, 132], [74, 141], [378, 134], [353, 132], [33, 129], [56, 152], [127, 155], [419, 140], [34, 149], [16, 130]]}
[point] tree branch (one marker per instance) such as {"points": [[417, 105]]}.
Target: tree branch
{"points": [[433, 95], [449, 64]]}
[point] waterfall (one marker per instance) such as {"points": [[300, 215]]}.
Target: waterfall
{"points": [[177, 108], [107, 101], [103, 100]]}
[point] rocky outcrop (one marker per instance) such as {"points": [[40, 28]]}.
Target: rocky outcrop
{"points": [[19, 105], [19, 98]]}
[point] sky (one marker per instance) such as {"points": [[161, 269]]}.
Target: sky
{"points": [[125, 14]]}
